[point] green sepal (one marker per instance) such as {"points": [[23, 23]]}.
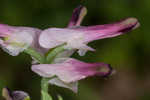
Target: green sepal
{"points": [[52, 53]]}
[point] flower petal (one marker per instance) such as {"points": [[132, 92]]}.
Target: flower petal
{"points": [[16, 39], [53, 37], [72, 70], [77, 16], [72, 86], [109, 30], [79, 37]]}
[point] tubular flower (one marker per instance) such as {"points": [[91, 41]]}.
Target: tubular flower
{"points": [[15, 95], [79, 37], [14, 40], [72, 70], [75, 21]]}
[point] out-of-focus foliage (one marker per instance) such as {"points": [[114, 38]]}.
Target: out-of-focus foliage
{"points": [[129, 54]]}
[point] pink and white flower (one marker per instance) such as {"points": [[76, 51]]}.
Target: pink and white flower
{"points": [[72, 70], [79, 37], [14, 39]]}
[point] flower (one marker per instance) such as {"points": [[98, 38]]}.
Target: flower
{"points": [[14, 39], [79, 37], [75, 21], [72, 70], [15, 95]]}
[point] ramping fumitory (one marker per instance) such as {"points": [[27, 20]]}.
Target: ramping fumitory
{"points": [[76, 37]]}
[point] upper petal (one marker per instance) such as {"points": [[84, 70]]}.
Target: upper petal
{"points": [[77, 16], [108, 30], [72, 70], [76, 38], [53, 37]]}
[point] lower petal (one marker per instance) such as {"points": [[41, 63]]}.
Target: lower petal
{"points": [[72, 86]]}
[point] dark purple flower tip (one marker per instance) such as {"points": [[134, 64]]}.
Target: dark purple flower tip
{"points": [[77, 16], [106, 70], [129, 24], [15, 95]]}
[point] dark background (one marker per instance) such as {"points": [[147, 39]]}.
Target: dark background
{"points": [[128, 54]]}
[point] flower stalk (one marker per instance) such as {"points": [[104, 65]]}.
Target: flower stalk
{"points": [[47, 59], [36, 55], [44, 89], [52, 54]]}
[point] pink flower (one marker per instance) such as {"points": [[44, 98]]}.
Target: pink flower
{"points": [[72, 70], [79, 37], [14, 39], [76, 19]]}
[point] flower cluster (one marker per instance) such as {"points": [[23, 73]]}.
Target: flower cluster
{"points": [[52, 48]]}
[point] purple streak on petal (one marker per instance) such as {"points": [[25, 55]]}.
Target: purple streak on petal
{"points": [[109, 30], [77, 16], [72, 70]]}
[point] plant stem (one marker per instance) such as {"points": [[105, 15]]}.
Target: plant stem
{"points": [[36, 55], [49, 58], [44, 84], [52, 54]]}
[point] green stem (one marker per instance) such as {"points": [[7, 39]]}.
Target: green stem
{"points": [[44, 84], [40, 58], [48, 58], [44, 89], [52, 54]]}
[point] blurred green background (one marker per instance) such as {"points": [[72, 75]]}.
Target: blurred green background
{"points": [[128, 54]]}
